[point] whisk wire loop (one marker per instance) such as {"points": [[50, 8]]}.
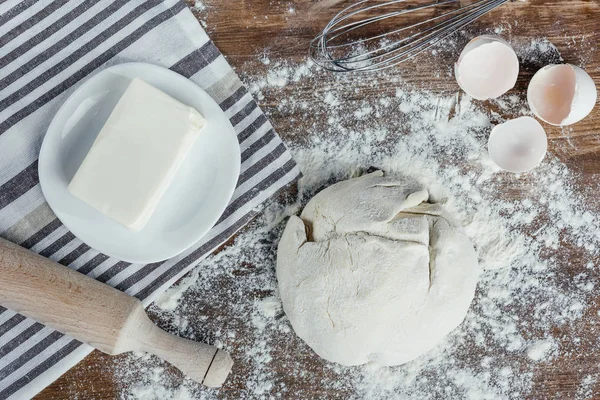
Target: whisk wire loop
{"points": [[392, 48]]}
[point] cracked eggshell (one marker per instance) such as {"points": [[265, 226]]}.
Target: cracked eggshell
{"points": [[561, 94], [518, 145], [487, 67]]}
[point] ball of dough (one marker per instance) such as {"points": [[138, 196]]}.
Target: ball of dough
{"points": [[372, 272]]}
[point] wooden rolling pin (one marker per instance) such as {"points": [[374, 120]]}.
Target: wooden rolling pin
{"points": [[97, 314]]}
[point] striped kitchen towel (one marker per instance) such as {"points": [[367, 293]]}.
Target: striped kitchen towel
{"points": [[47, 49]]}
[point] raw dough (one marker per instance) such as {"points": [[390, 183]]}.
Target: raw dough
{"points": [[372, 272]]}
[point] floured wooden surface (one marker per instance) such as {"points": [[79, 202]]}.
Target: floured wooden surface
{"points": [[410, 120]]}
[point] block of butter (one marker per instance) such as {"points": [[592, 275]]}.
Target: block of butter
{"points": [[137, 154]]}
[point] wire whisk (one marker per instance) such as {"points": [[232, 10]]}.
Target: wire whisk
{"points": [[357, 38]]}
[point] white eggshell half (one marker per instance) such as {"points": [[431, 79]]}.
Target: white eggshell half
{"points": [[518, 145], [487, 67], [561, 94]]}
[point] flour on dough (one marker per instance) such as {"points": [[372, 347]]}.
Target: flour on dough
{"points": [[372, 272]]}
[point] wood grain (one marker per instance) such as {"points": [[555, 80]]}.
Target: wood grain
{"points": [[246, 29]]}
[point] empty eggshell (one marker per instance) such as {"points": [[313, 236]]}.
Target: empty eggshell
{"points": [[487, 67], [518, 145], [561, 94]]}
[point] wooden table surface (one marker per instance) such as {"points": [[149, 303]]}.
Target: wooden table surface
{"points": [[244, 30]]}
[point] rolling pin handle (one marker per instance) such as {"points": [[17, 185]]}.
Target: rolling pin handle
{"points": [[203, 363]]}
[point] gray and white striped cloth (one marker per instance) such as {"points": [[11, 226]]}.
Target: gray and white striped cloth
{"points": [[48, 48]]}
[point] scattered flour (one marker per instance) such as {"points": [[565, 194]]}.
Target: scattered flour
{"points": [[528, 290], [585, 390], [198, 6], [169, 300], [539, 350]]}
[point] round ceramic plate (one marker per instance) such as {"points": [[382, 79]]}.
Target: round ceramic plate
{"points": [[193, 202]]}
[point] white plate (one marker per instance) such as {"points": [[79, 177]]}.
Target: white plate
{"points": [[192, 204]]}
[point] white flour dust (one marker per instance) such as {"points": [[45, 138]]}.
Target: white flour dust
{"points": [[531, 297]]}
